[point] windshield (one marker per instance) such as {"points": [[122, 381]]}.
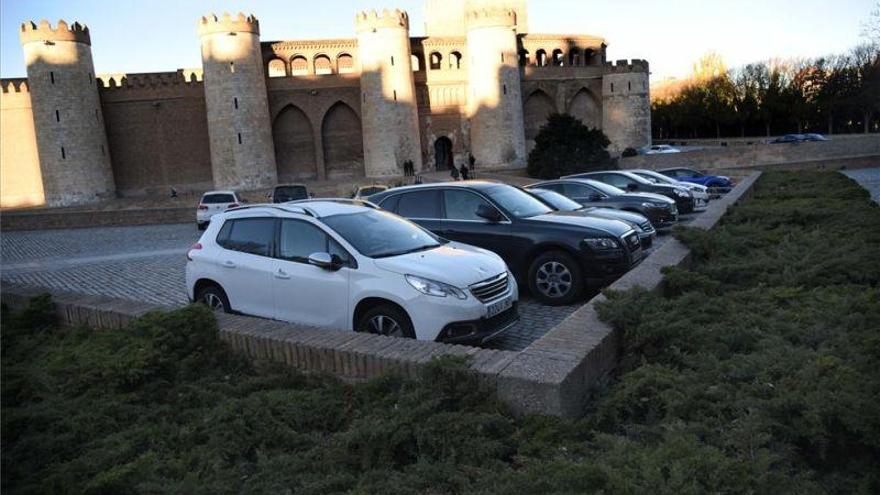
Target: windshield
{"points": [[290, 193], [380, 234], [655, 177], [557, 200], [607, 189], [520, 204]]}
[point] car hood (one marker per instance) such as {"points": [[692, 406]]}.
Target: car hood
{"points": [[453, 263], [653, 197], [694, 187], [575, 218], [613, 214]]}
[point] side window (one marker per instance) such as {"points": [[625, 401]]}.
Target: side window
{"points": [[616, 180], [553, 187], [248, 235], [578, 191], [420, 204], [462, 205], [335, 249], [299, 240], [390, 204]]}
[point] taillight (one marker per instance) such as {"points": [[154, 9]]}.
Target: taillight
{"points": [[195, 247], [203, 207]]}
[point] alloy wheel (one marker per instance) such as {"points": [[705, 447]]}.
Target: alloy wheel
{"points": [[385, 325], [553, 279], [213, 301]]}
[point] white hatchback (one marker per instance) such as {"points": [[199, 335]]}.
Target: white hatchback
{"points": [[212, 203], [349, 265]]}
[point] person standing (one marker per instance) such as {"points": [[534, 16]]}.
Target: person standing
{"points": [[464, 172], [454, 172]]}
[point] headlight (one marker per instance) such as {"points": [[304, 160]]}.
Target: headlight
{"points": [[681, 194], [654, 205], [601, 243], [434, 288]]}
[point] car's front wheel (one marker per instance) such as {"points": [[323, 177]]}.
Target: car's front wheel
{"points": [[386, 319], [555, 278], [215, 298]]}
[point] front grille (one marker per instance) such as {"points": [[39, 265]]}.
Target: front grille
{"points": [[491, 289], [646, 226], [632, 242]]}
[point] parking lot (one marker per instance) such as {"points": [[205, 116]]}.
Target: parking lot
{"points": [[146, 263]]}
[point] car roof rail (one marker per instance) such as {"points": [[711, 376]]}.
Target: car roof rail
{"points": [[345, 201], [282, 207]]}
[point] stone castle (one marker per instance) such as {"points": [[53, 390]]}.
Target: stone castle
{"points": [[264, 112]]}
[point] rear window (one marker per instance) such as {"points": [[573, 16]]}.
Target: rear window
{"points": [[212, 199], [248, 235]]}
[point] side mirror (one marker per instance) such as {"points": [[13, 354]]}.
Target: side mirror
{"points": [[631, 187], [489, 213], [325, 261], [595, 197]]}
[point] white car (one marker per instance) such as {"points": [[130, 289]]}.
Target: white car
{"points": [[349, 265], [661, 149], [212, 203], [699, 192]]}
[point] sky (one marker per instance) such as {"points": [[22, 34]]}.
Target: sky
{"points": [[160, 35]]}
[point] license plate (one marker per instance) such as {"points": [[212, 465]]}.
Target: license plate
{"points": [[499, 307]]}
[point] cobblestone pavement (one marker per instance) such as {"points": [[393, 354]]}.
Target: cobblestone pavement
{"points": [[869, 178], [146, 263]]}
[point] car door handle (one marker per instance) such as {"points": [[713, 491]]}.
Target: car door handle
{"points": [[229, 264], [281, 274]]}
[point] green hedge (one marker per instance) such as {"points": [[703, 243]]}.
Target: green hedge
{"points": [[754, 371]]}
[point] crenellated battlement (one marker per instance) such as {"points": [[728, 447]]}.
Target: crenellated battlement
{"points": [[16, 85], [228, 23], [369, 20], [44, 31], [624, 66], [490, 17], [150, 79]]}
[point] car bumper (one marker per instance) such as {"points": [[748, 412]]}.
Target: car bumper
{"points": [[481, 330], [662, 217]]}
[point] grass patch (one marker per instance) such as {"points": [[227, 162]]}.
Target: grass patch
{"points": [[755, 370]]}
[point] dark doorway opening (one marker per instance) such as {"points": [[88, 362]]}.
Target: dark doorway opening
{"points": [[443, 153]]}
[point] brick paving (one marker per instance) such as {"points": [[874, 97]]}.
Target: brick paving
{"points": [[146, 263]]}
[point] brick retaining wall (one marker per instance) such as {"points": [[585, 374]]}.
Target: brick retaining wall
{"points": [[554, 375]]}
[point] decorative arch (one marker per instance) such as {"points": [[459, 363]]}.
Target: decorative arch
{"points": [[344, 63], [277, 68], [538, 107], [541, 58], [342, 138], [523, 58], [586, 108], [323, 66], [443, 156], [294, 139], [589, 55], [574, 58], [299, 66], [558, 58], [455, 60], [416, 62], [435, 60]]}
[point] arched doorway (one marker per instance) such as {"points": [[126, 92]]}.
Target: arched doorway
{"points": [[343, 142], [443, 153], [585, 108], [294, 145], [538, 107]]}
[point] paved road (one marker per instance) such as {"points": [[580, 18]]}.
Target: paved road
{"points": [[869, 178], [146, 263]]}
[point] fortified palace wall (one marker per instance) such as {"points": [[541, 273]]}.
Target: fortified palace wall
{"points": [[262, 112]]}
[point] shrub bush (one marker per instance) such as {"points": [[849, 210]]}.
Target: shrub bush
{"points": [[566, 146]]}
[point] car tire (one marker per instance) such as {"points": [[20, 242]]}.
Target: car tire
{"points": [[388, 320], [555, 278], [215, 298]]}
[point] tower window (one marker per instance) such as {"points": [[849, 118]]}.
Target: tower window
{"points": [[502, 57], [232, 67], [57, 116], [90, 78], [505, 89], [235, 102], [52, 77], [103, 151], [97, 119], [395, 95], [612, 87], [629, 86], [239, 138], [392, 60], [63, 154]]}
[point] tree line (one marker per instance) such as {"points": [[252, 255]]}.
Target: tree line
{"points": [[833, 94]]}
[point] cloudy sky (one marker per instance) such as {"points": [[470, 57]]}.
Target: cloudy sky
{"points": [[160, 35]]}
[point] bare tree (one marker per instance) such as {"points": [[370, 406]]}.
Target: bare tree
{"points": [[871, 27]]}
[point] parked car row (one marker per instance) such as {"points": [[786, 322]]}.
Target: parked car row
{"points": [[799, 138]]}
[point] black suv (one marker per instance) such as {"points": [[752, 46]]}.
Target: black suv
{"points": [[631, 182], [555, 253], [660, 210]]}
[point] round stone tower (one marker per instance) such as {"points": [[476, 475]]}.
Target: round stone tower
{"points": [[69, 125], [388, 94], [239, 126], [626, 105], [494, 96]]}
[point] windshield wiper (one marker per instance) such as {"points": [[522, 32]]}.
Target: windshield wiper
{"points": [[407, 251]]}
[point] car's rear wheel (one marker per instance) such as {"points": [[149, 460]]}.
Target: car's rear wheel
{"points": [[555, 278], [215, 298], [386, 319]]}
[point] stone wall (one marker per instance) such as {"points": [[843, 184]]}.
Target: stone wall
{"points": [[21, 183], [158, 132]]}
